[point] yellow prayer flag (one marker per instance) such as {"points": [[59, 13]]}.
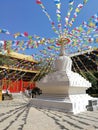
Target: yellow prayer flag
{"points": [[58, 6], [96, 39], [77, 10], [92, 24]]}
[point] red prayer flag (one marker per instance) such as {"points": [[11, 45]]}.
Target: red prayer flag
{"points": [[17, 42], [25, 34], [4, 45], [38, 2]]}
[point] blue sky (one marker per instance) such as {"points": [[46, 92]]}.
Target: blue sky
{"points": [[27, 16]]}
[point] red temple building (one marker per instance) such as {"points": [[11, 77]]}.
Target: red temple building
{"points": [[17, 72]]}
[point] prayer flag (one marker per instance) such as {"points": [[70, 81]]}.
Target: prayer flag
{"points": [[25, 34], [38, 2], [57, 1]]}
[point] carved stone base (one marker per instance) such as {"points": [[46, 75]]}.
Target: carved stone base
{"points": [[93, 104]]}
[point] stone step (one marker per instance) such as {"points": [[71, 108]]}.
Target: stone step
{"points": [[52, 104], [59, 97], [17, 95]]}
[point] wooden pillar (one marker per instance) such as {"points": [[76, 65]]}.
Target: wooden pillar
{"points": [[21, 82], [0, 90]]}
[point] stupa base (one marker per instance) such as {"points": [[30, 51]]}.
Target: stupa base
{"points": [[72, 104]]}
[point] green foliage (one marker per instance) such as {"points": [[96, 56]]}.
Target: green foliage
{"points": [[92, 79], [6, 61], [92, 91]]}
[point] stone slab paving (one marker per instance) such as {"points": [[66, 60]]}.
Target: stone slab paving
{"points": [[18, 114]]}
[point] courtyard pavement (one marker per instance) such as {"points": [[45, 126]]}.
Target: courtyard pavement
{"points": [[18, 114]]}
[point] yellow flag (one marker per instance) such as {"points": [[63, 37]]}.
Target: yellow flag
{"points": [[92, 24], [96, 39], [77, 10], [58, 6]]}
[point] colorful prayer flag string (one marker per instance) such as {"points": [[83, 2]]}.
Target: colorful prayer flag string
{"points": [[46, 13]]}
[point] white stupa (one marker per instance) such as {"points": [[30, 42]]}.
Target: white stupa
{"points": [[63, 90]]}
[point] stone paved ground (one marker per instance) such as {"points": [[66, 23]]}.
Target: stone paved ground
{"points": [[18, 114]]}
